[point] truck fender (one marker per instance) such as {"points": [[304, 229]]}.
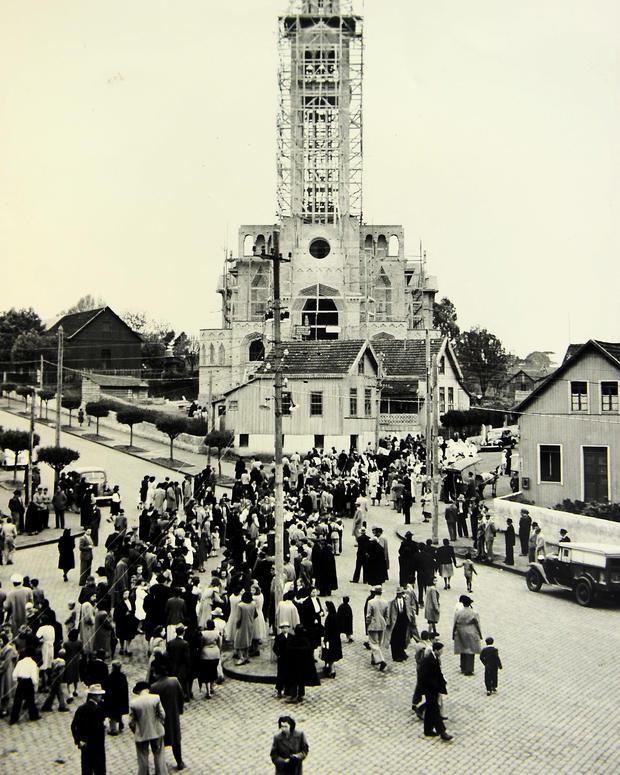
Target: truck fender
{"points": [[540, 569]]}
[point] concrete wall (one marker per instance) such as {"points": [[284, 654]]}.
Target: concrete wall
{"points": [[581, 529], [262, 443]]}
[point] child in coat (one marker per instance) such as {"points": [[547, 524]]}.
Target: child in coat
{"points": [[489, 656], [468, 571]]}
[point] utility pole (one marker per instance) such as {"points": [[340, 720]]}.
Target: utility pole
{"points": [[209, 410], [428, 407], [41, 387], [61, 345], [278, 381], [29, 493], [435, 436]]}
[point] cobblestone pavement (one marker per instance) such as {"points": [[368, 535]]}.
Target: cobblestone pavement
{"points": [[556, 710]]}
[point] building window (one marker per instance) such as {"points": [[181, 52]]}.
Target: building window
{"points": [[106, 359], [609, 396], [256, 351], [442, 399], [316, 404], [244, 439], [360, 367], [579, 396], [233, 405], [383, 297], [319, 441], [259, 291], [450, 398], [550, 462], [287, 402], [368, 402], [353, 402], [442, 365]]}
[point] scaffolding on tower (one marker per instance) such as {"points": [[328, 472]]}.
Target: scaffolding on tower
{"points": [[319, 163]]}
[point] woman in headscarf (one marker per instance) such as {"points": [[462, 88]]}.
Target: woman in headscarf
{"points": [[466, 634]]}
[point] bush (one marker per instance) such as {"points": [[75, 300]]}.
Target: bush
{"points": [[220, 440], [597, 509], [71, 401], [25, 391], [16, 442], [172, 427], [130, 416]]}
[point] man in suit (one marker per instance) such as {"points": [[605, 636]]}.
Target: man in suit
{"points": [[146, 720], [432, 684], [509, 537], [88, 730], [362, 554], [376, 625], [281, 648], [525, 525], [400, 619], [171, 694], [179, 654]]}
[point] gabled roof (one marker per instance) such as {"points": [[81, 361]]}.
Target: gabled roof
{"points": [[608, 350], [336, 356], [76, 321], [405, 357]]}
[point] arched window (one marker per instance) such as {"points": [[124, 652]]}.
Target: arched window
{"points": [[248, 244], [256, 351], [368, 242], [383, 335], [221, 355], [259, 244], [383, 297], [211, 354], [394, 245], [203, 354], [382, 245], [320, 315], [259, 290]]}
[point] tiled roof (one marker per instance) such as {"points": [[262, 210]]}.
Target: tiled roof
{"points": [[325, 357], [71, 324], [404, 357], [612, 348], [110, 380]]}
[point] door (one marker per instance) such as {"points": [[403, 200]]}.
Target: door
{"points": [[353, 442], [595, 477]]}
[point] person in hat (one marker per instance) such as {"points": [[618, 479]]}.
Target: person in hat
{"points": [[509, 538], [146, 720], [17, 510], [432, 684], [525, 525], [376, 625], [400, 619], [466, 634], [15, 603], [88, 730], [564, 537]]}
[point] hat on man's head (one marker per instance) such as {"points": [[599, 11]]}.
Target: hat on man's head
{"points": [[180, 628], [140, 687], [400, 591], [17, 578], [95, 689], [437, 645]]}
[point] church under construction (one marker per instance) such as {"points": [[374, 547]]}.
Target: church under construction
{"points": [[344, 279]]}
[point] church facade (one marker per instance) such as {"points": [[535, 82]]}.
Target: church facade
{"points": [[340, 278]]}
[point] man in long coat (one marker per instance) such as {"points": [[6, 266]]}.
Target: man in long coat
{"points": [[525, 525], [399, 620], [509, 537], [171, 695]]}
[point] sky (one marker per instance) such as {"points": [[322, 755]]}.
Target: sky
{"points": [[137, 135]]}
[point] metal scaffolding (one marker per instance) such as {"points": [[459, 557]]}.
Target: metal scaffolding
{"points": [[319, 125]]}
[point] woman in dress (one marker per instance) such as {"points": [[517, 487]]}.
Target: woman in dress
{"points": [[233, 601], [73, 649], [125, 622], [244, 628], [8, 659], [260, 626], [446, 561], [466, 634], [332, 645], [209, 658], [87, 624], [66, 556]]}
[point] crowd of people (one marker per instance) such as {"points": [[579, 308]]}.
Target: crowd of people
{"points": [[148, 596]]}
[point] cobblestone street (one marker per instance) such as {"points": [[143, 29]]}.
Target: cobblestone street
{"points": [[556, 710]]}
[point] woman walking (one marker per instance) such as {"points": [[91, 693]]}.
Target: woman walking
{"points": [[209, 658], [466, 634], [125, 622], [446, 562], [332, 645], [66, 556], [244, 628]]}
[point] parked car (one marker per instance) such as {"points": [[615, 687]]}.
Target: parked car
{"points": [[97, 479], [590, 570]]}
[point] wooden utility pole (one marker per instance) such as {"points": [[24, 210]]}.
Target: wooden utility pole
{"points": [[29, 492], [61, 346], [428, 405], [278, 381], [435, 450], [41, 383], [209, 417]]}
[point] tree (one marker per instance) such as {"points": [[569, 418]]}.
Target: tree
{"points": [[172, 427], [187, 348], [70, 402], [85, 304], [130, 416], [16, 442], [31, 345], [97, 409], [16, 322], [46, 395], [25, 391], [220, 440], [156, 336], [482, 358], [58, 458], [444, 318], [7, 389]]}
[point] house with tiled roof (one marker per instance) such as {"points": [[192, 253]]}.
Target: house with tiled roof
{"points": [[569, 427], [330, 399], [99, 340]]}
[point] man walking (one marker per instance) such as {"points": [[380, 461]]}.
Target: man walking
{"points": [[171, 694], [400, 619], [509, 537], [432, 684], [146, 720], [88, 732], [451, 515], [376, 624], [525, 524], [26, 673]]}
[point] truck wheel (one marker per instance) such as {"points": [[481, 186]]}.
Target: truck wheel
{"points": [[533, 580], [584, 593]]}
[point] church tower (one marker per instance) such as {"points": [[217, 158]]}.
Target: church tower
{"points": [[345, 279]]}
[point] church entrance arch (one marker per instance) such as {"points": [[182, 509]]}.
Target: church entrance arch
{"points": [[320, 315]]}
